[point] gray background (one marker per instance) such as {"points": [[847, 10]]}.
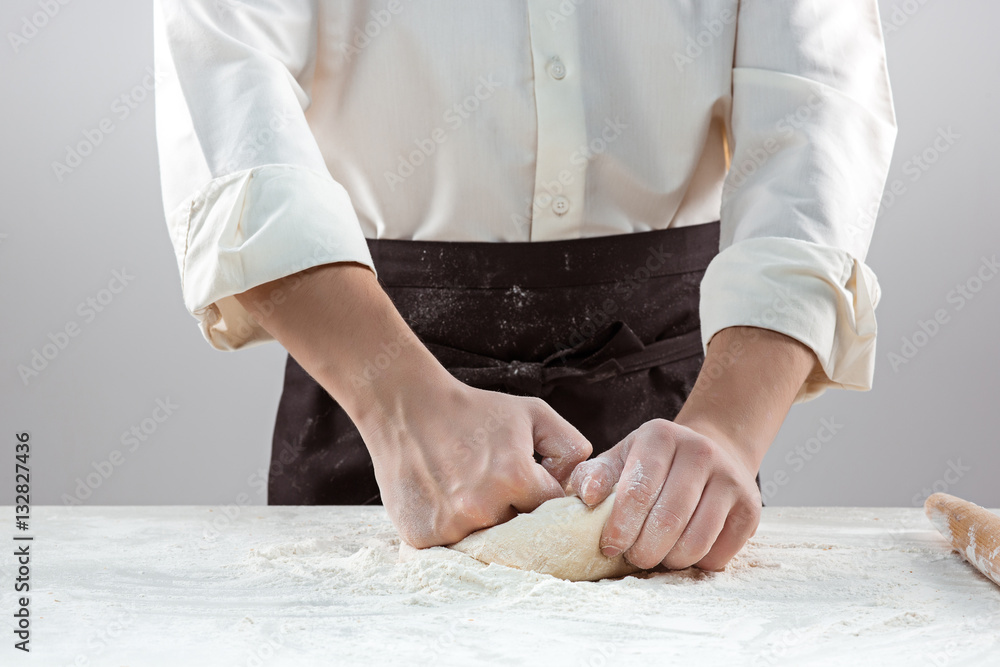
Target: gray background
{"points": [[930, 424]]}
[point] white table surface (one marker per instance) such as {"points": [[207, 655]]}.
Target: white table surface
{"points": [[322, 586]]}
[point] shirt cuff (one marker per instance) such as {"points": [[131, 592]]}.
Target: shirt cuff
{"points": [[818, 295], [254, 226]]}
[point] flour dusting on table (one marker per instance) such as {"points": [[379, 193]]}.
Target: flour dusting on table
{"points": [[320, 585]]}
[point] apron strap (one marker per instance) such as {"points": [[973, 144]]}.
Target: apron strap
{"points": [[613, 351]]}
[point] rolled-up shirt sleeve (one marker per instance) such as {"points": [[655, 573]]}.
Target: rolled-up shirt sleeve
{"points": [[247, 195], [812, 133]]}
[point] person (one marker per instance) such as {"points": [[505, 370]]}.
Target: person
{"points": [[498, 238]]}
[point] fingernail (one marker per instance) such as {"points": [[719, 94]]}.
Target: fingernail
{"points": [[585, 486], [610, 551]]}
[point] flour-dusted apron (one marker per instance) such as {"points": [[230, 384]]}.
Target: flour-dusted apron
{"points": [[605, 330]]}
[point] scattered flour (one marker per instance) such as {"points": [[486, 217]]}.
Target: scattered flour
{"points": [[316, 585]]}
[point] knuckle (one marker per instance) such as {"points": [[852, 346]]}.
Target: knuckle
{"points": [[512, 476], [663, 520], [701, 452], [745, 516], [459, 507], [695, 542], [536, 404], [659, 429], [465, 511], [641, 490]]}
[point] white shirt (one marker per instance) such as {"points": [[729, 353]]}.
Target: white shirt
{"points": [[291, 130]]}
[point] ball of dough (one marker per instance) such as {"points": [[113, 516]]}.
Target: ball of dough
{"points": [[560, 538]]}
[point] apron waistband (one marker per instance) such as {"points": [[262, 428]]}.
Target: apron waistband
{"points": [[564, 263]]}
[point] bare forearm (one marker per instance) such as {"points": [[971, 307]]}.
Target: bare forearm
{"points": [[746, 386], [339, 324]]}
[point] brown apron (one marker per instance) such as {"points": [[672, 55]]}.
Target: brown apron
{"points": [[605, 330]]}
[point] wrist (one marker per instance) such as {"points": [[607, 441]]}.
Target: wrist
{"points": [[747, 384], [748, 448], [387, 391]]}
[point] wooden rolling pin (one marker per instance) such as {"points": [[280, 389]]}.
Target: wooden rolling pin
{"points": [[973, 531]]}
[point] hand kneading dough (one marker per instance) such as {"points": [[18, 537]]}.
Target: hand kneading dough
{"points": [[560, 538]]}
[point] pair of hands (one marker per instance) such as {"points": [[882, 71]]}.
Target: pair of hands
{"points": [[451, 459], [462, 460]]}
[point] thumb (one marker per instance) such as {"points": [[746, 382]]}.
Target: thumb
{"points": [[562, 446], [594, 480]]}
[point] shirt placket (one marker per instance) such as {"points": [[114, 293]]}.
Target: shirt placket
{"points": [[560, 164]]}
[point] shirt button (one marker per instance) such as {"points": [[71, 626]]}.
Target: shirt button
{"points": [[556, 69], [560, 205]]}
